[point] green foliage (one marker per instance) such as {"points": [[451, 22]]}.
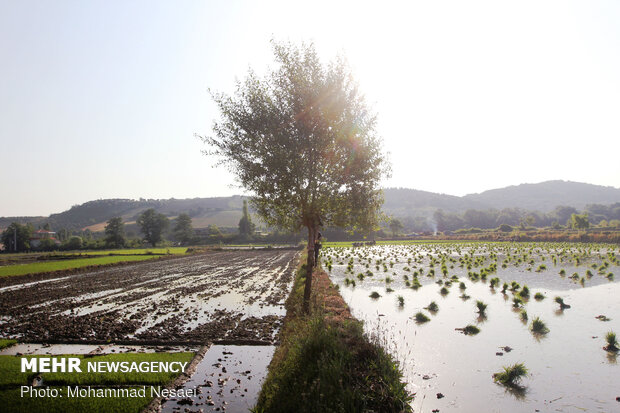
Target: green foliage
{"points": [[115, 233], [538, 326], [561, 302], [320, 367], [504, 228], [539, 296], [481, 306], [433, 307], [152, 225], [612, 341], [183, 230], [303, 142], [395, 226], [246, 226], [46, 244], [4, 343], [328, 369], [511, 375], [471, 330], [525, 292], [73, 243], [420, 317], [19, 233], [375, 295], [517, 301], [579, 221]]}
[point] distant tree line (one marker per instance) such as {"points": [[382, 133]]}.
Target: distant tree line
{"points": [[561, 217], [154, 229]]}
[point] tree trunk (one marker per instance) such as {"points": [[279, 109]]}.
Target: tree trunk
{"points": [[309, 268]]}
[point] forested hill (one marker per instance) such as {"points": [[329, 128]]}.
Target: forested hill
{"points": [[399, 202], [221, 211], [542, 197], [404, 201], [545, 196]]}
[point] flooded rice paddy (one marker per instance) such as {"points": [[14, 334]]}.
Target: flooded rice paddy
{"points": [[235, 296], [450, 371], [228, 378]]}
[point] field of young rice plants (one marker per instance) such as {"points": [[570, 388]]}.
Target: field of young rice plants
{"points": [[491, 326]]}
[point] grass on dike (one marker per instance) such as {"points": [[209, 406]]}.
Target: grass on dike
{"points": [[323, 367], [11, 378], [48, 266], [4, 343]]}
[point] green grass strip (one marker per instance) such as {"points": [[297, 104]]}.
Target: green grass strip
{"points": [[11, 375], [136, 251], [333, 369], [12, 401], [4, 343], [48, 266], [323, 367]]}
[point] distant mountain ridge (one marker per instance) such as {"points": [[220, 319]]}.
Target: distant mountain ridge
{"points": [[221, 211], [399, 202], [545, 196]]}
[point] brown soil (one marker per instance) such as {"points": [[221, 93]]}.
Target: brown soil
{"points": [[336, 310], [219, 295]]}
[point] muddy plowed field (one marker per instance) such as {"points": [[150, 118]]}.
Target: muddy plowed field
{"points": [[232, 296]]}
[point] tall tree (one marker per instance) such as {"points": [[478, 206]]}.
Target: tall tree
{"points": [[62, 234], [395, 226], [214, 232], [564, 213], [152, 225], [115, 232], [16, 237], [183, 230], [579, 221], [73, 243], [302, 141], [246, 226]]}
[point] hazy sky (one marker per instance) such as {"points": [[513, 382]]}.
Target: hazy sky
{"points": [[102, 99]]}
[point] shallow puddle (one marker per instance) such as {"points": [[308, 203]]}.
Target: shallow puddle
{"points": [[228, 378], [452, 372], [18, 286]]}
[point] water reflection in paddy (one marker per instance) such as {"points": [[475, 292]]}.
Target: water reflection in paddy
{"points": [[569, 369]]}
